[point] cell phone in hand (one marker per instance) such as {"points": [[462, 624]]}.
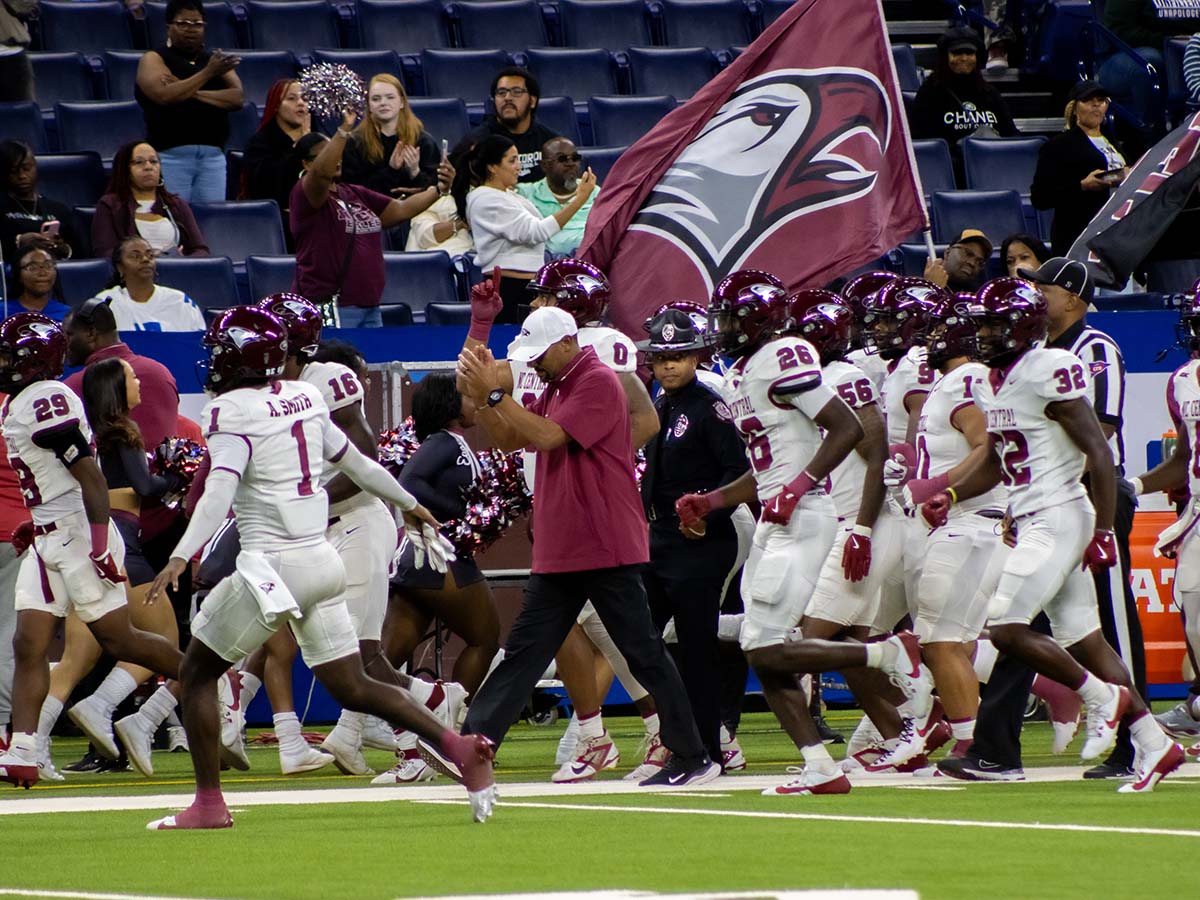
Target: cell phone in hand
{"points": [[50, 227], [445, 148], [1114, 176]]}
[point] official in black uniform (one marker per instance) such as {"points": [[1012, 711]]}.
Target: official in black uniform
{"points": [[696, 449]]}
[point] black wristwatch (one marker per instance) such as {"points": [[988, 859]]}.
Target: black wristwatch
{"points": [[495, 397]]}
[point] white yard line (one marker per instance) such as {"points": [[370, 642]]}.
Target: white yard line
{"points": [[84, 895]]}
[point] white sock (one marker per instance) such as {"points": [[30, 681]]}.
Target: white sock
{"points": [[160, 705], [651, 723], [287, 731], [962, 729], [250, 686], [421, 689], [729, 627], [1093, 691], [351, 721], [817, 758], [881, 654], [51, 709], [115, 687], [173, 720], [986, 655], [591, 726], [1146, 732]]}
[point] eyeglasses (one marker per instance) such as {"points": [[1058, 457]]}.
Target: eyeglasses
{"points": [[515, 93], [40, 266], [568, 158], [140, 256], [189, 24]]}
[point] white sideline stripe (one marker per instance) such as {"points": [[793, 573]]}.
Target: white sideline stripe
{"points": [[826, 817], [84, 895], [620, 894]]}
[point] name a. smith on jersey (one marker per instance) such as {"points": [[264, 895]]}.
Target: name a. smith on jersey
{"points": [[284, 406]]}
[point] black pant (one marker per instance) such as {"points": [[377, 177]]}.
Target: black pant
{"points": [[1003, 699], [514, 292], [734, 668], [685, 580], [552, 603]]}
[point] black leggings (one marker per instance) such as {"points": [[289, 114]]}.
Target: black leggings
{"points": [[515, 294]]}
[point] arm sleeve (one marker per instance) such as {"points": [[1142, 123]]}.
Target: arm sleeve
{"points": [[209, 513], [504, 216], [137, 470], [1061, 378], [366, 473], [228, 452], [65, 441], [420, 477], [1191, 68]]}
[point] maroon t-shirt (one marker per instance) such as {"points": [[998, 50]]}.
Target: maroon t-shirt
{"points": [[587, 513], [348, 223]]}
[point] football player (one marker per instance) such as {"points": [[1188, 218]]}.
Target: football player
{"points": [[77, 551], [781, 404], [269, 440], [1043, 432], [855, 294]]}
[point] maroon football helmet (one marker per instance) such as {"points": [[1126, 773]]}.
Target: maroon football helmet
{"points": [[858, 290], [245, 343], [951, 330], [32, 348], [576, 286], [299, 316], [746, 309], [1013, 313], [896, 315], [823, 319]]}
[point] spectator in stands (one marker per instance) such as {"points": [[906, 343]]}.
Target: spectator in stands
{"points": [[560, 163], [186, 94], [27, 219], [1191, 69], [510, 234], [137, 303], [441, 227], [1077, 169], [1022, 251], [16, 72], [955, 102], [268, 170], [137, 203], [1140, 25], [391, 153], [515, 94], [965, 264], [338, 229], [36, 277]]}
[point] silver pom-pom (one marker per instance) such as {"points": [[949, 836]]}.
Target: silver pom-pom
{"points": [[331, 88]]}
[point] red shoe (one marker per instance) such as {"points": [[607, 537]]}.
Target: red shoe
{"points": [[17, 771], [810, 782], [194, 818], [468, 760], [1153, 768]]}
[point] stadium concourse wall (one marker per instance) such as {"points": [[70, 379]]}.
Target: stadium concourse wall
{"points": [[1141, 335]]}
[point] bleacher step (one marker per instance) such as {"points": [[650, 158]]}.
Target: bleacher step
{"points": [[1039, 125], [929, 28]]}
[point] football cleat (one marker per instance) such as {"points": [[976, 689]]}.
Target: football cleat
{"points": [[346, 749], [907, 673], [46, 769], [302, 759], [138, 738], [592, 756], [683, 771], [378, 735], [177, 741], [89, 716], [193, 818], [732, 757], [409, 769], [567, 743], [17, 770], [865, 735], [1151, 767], [972, 768], [1178, 722], [1103, 720], [233, 721], [472, 769], [654, 758], [912, 766], [1193, 752], [1064, 733], [810, 782], [452, 711], [916, 733]]}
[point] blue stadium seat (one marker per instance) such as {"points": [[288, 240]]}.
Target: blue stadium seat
{"points": [[75, 179], [270, 274], [446, 119], [23, 122], [301, 26], [558, 114], [773, 9], [87, 28], [575, 73], [605, 23], [468, 273], [601, 160], [513, 23], [238, 230], [448, 314], [61, 76], [678, 71], [209, 281], [705, 23], [419, 278], [405, 26], [120, 72], [259, 69], [396, 314], [242, 125], [934, 165], [461, 73], [996, 213], [103, 126], [1001, 164], [83, 224], [907, 71], [367, 63], [220, 25], [82, 279], [620, 121]]}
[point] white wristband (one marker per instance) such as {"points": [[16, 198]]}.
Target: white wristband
{"points": [[861, 530], [1138, 490]]}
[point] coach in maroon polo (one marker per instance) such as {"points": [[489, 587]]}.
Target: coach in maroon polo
{"points": [[590, 533]]}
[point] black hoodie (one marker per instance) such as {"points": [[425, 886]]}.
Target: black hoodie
{"points": [[954, 106]]}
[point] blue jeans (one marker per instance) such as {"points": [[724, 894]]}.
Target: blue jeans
{"points": [[360, 317], [195, 172], [1131, 86]]}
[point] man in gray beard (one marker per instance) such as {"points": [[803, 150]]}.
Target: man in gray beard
{"points": [[561, 164]]}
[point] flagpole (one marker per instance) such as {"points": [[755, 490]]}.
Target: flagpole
{"points": [[932, 250]]}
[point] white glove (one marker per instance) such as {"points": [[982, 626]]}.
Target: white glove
{"points": [[428, 542], [894, 473]]}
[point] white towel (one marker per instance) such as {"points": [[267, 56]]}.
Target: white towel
{"points": [[274, 599], [1172, 536]]}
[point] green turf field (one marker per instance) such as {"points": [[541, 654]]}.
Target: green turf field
{"points": [[919, 837]]}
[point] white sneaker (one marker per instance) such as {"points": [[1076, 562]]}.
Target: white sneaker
{"points": [[408, 770], [90, 717], [346, 751], [1103, 719], [865, 736], [810, 781], [46, 770], [177, 741], [22, 771], [1064, 733], [907, 673], [297, 760], [1152, 766], [233, 722], [567, 743], [653, 759], [592, 757], [138, 738], [732, 758], [452, 711], [915, 733], [378, 735]]}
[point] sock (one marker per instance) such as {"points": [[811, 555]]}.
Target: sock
{"points": [[51, 709], [209, 798], [986, 655], [115, 687], [651, 723], [173, 720], [591, 726], [881, 654], [250, 686], [287, 731], [1094, 691], [24, 745], [962, 729], [1145, 731], [817, 758], [160, 705]]}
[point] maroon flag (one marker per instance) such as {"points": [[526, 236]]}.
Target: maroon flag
{"points": [[795, 159]]}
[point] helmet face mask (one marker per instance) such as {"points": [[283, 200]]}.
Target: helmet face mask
{"points": [[746, 310], [951, 332], [856, 293], [823, 319], [895, 317], [1010, 318]]}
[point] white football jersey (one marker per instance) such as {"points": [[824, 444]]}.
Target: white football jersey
{"points": [[1041, 465], [856, 388], [779, 428], [941, 446], [339, 387], [279, 502], [47, 487], [872, 365], [909, 375], [1183, 402]]}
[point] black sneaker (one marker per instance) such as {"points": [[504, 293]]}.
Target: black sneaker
{"points": [[1109, 770], [684, 770], [972, 768], [828, 735], [91, 762]]}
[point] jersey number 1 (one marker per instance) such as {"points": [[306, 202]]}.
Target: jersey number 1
{"points": [[304, 488]]}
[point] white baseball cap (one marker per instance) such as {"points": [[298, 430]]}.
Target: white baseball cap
{"points": [[541, 330]]}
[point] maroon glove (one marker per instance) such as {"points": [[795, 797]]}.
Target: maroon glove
{"points": [[918, 490], [856, 554], [102, 558], [691, 508], [485, 306], [936, 509], [1101, 553], [22, 536], [779, 508]]}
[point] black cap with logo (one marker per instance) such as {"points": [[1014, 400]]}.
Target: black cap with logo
{"points": [[1068, 274]]}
